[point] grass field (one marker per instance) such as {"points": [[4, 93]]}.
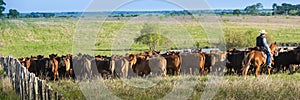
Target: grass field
{"points": [[281, 86], [26, 37]]}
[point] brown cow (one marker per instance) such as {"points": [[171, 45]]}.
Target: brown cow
{"points": [[235, 60], [64, 66], [121, 67], [104, 66], [82, 66], [220, 62], [30, 64], [173, 62], [191, 62], [54, 67], [45, 67], [139, 64], [286, 59], [158, 65]]}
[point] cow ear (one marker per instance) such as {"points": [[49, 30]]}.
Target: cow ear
{"points": [[275, 42]]}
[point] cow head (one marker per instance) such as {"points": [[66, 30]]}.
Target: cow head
{"points": [[132, 59], [27, 62]]}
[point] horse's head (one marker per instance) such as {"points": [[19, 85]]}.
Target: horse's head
{"points": [[273, 49]]}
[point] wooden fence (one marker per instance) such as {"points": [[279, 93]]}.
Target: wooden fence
{"points": [[25, 83]]}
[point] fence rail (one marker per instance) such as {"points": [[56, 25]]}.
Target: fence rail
{"points": [[25, 83]]}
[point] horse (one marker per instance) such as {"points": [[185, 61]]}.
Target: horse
{"points": [[256, 58]]}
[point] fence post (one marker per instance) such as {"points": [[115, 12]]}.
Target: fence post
{"points": [[27, 82], [31, 85], [40, 89], [22, 83], [50, 91], [17, 76], [13, 74], [29, 88], [35, 87]]}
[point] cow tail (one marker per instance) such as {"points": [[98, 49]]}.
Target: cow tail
{"points": [[179, 66]]}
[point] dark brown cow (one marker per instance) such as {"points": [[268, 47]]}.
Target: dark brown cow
{"points": [[103, 65], [45, 67], [30, 64], [286, 59], [235, 60], [140, 64], [173, 62], [64, 68]]}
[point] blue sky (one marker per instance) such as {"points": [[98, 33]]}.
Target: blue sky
{"points": [[81, 5]]}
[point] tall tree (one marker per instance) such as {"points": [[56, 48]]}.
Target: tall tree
{"points": [[274, 6], [13, 13], [287, 8], [254, 9], [2, 8]]}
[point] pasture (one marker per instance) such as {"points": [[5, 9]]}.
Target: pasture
{"points": [[279, 86], [26, 37]]}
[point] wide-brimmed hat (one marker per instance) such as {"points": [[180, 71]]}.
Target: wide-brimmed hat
{"points": [[262, 32]]}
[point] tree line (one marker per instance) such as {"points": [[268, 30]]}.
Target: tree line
{"points": [[255, 10]]}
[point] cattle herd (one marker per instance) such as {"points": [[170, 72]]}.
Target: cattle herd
{"points": [[149, 63]]}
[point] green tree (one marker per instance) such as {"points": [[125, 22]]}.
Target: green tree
{"points": [[293, 12], [287, 7], [2, 8], [254, 9], [13, 13], [151, 37], [243, 38], [274, 6], [236, 12]]}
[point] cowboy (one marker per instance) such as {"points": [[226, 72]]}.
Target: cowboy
{"points": [[261, 43]]}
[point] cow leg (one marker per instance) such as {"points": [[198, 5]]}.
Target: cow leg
{"points": [[291, 69], [178, 71]]}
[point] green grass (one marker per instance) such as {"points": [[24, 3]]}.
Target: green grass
{"points": [[26, 37], [280, 86]]}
